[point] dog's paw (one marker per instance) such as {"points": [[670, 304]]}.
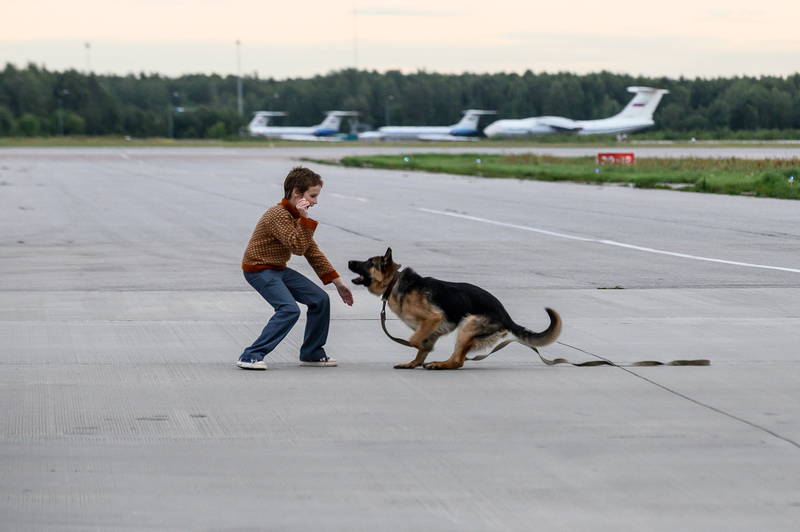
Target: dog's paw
{"points": [[440, 365], [407, 365]]}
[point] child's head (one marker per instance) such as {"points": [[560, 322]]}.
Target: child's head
{"points": [[300, 178]]}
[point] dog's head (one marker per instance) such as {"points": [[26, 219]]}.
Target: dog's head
{"points": [[376, 272]]}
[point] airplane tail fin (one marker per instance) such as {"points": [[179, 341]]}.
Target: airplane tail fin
{"points": [[262, 118], [332, 122], [643, 104], [468, 125]]}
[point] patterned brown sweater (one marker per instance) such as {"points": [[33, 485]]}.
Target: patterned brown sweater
{"points": [[280, 232]]}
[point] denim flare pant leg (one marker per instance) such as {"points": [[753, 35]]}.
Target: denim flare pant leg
{"points": [[283, 289]]}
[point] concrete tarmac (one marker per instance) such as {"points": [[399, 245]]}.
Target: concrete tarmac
{"points": [[123, 309]]}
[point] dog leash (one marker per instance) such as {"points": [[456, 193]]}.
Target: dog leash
{"points": [[385, 298], [590, 363], [383, 325], [555, 361]]}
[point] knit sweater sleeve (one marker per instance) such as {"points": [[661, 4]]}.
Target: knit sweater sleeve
{"points": [[319, 262], [296, 235]]}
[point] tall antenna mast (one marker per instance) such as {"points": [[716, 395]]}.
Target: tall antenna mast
{"points": [[355, 36], [239, 77], [88, 47]]}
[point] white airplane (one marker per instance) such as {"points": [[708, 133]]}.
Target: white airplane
{"points": [[465, 129], [326, 130], [638, 114]]}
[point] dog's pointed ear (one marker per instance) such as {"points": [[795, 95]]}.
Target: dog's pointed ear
{"points": [[387, 257]]}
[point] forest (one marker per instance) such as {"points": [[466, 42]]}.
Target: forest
{"points": [[35, 101]]}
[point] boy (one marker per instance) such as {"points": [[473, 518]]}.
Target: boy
{"points": [[283, 230]]}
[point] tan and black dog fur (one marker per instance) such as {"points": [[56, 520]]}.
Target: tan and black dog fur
{"points": [[434, 308]]}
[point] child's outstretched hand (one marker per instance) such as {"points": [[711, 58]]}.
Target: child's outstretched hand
{"points": [[344, 291]]}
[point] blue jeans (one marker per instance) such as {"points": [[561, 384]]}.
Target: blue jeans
{"points": [[283, 289]]}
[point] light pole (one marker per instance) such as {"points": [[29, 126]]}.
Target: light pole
{"points": [[170, 114], [355, 36], [59, 94], [239, 77], [88, 47], [388, 101]]}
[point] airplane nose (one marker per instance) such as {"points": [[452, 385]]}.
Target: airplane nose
{"points": [[491, 130]]}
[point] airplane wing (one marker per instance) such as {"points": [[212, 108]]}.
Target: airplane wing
{"points": [[559, 123], [310, 138], [370, 135], [445, 138]]}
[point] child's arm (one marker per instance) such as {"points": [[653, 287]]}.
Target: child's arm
{"points": [[320, 263], [326, 273]]}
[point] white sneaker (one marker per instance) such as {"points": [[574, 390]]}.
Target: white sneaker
{"points": [[251, 364], [325, 362]]}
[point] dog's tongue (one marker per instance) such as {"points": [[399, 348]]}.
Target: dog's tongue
{"points": [[359, 279]]}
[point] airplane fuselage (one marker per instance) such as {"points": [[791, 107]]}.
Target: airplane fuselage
{"points": [[637, 114], [414, 132], [465, 129], [280, 131], [327, 130], [532, 127], [612, 125]]}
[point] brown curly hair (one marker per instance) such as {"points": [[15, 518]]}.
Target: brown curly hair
{"points": [[302, 179]]}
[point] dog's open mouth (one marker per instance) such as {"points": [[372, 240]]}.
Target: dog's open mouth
{"points": [[362, 272]]}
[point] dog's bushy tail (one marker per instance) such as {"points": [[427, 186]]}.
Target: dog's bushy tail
{"points": [[539, 339]]}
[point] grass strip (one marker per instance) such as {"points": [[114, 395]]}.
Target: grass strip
{"points": [[774, 178]]}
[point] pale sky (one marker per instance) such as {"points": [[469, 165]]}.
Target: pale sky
{"points": [[704, 38]]}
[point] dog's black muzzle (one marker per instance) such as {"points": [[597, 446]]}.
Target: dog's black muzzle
{"points": [[361, 268]]}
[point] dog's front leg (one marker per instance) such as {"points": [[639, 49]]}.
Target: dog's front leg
{"points": [[425, 328], [422, 353], [423, 339], [465, 341]]}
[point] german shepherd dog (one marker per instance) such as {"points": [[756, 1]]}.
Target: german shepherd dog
{"points": [[434, 308]]}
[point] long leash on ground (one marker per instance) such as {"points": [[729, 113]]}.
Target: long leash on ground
{"points": [[555, 361]]}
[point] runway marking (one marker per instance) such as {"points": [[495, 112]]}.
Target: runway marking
{"points": [[609, 242], [342, 196]]}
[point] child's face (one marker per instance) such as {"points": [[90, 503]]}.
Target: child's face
{"points": [[311, 195]]}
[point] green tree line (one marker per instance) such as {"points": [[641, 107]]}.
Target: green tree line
{"points": [[35, 101]]}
